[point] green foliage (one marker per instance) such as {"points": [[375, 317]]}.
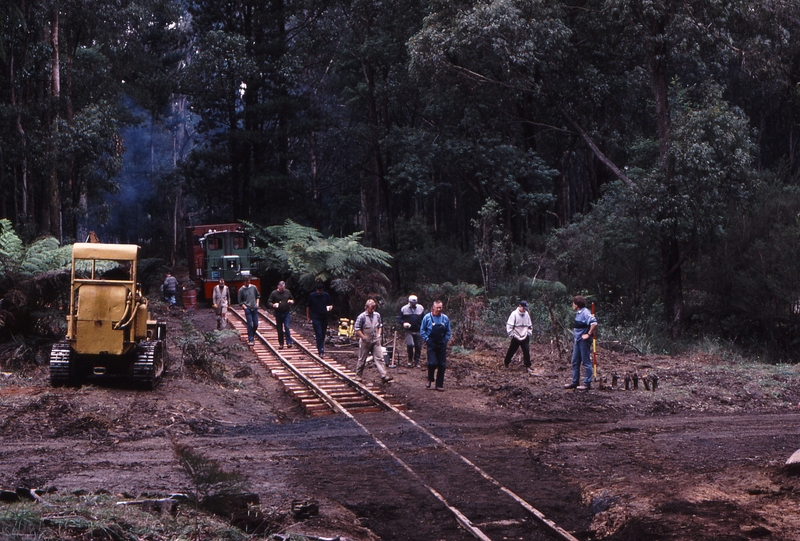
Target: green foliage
{"points": [[491, 243], [351, 268], [97, 516], [464, 304], [305, 253], [20, 261], [421, 259], [19, 520], [206, 351]]}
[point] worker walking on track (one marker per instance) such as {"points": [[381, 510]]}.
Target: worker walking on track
{"points": [[248, 298], [221, 298], [281, 300], [368, 328], [319, 304]]}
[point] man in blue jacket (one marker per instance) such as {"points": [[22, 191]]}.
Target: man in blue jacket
{"points": [[435, 330]]}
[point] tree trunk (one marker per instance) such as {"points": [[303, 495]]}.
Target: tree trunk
{"points": [[672, 286], [52, 201], [670, 248], [375, 161]]}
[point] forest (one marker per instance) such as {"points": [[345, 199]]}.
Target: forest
{"points": [[639, 152]]}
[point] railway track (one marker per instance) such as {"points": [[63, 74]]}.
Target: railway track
{"points": [[324, 387], [321, 386]]}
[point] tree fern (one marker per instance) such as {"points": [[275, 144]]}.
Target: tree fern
{"points": [[41, 256], [306, 254], [11, 248]]}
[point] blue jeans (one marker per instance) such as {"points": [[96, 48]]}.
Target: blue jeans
{"points": [[437, 359], [282, 321], [252, 322], [581, 355], [320, 326]]}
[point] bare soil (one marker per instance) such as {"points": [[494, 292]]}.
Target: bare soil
{"points": [[702, 457]]}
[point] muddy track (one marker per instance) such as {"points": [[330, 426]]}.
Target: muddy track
{"points": [[702, 458]]}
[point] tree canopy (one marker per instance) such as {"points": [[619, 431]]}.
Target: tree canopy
{"points": [[640, 152]]}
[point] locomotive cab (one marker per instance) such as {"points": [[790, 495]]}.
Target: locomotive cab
{"points": [[221, 251]]}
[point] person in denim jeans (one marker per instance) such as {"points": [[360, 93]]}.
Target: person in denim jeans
{"points": [[248, 297], [583, 329], [435, 330]]}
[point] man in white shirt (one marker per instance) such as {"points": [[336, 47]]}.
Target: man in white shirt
{"points": [[519, 328], [221, 298]]}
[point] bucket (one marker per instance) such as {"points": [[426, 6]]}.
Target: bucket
{"points": [[189, 299]]}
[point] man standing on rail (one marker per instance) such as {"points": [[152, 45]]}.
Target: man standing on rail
{"points": [[220, 299], [248, 297], [368, 329], [281, 300], [411, 317], [319, 304], [435, 330]]}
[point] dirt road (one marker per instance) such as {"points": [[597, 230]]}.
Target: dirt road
{"points": [[699, 458]]}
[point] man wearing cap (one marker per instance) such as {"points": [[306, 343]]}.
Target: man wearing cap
{"points": [[411, 317], [519, 328], [319, 304]]}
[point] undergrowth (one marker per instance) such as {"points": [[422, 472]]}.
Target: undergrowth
{"points": [[207, 351], [81, 517]]}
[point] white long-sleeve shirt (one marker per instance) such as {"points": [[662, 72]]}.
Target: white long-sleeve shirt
{"points": [[519, 325]]}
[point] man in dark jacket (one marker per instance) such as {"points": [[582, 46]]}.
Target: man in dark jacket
{"points": [[319, 304], [281, 300], [170, 288]]}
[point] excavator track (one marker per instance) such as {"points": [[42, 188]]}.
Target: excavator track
{"points": [[149, 364], [59, 364]]}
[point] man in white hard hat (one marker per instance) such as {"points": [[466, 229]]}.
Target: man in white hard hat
{"points": [[411, 317]]}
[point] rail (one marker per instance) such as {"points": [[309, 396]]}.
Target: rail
{"points": [[334, 404]]}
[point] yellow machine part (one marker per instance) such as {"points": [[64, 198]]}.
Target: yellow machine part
{"points": [[346, 327], [140, 325], [99, 308]]}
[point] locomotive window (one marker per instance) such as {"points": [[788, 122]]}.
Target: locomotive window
{"points": [[239, 243], [215, 243]]}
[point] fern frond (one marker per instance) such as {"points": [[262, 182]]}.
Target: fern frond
{"points": [[11, 247]]}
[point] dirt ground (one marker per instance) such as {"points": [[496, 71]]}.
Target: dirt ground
{"points": [[699, 458]]}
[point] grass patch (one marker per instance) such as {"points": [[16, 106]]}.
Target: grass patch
{"points": [[73, 518]]}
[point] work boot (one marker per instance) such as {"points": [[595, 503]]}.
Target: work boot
{"points": [[386, 379], [583, 387], [572, 385]]}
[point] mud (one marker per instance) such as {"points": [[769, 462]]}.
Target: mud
{"points": [[701, 457]]}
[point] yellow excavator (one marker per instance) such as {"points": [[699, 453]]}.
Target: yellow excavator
{"points": [[110, 332]]}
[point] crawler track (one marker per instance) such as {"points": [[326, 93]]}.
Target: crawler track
{"points": [[322, 386], [325, 387]]}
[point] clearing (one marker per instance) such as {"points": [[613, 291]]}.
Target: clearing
{"points": [[700, 458]]}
